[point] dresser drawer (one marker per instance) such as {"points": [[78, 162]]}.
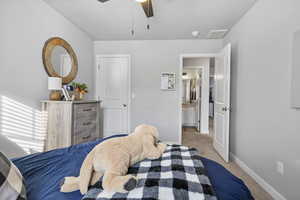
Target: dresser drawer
{"points": [[84, 126], [85, 122], [85, 110], [84, 139], [85, 134]]}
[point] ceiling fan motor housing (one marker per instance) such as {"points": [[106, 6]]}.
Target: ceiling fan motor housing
{"points": [[146, 4]]}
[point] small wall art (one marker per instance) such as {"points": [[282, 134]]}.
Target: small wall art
{"points": [[168, 81]]}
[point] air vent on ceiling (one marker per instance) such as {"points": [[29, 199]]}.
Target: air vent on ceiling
{"points": [[217, 34]]}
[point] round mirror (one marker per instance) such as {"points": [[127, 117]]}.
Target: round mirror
{"points": [[60, 60]]}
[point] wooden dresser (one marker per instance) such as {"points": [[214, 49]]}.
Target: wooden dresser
{"points": [[71, 122]]}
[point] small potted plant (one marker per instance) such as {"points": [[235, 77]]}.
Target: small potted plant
{"points": [[79, 90]]}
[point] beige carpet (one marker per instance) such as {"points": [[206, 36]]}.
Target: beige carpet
{"points": [[204, 145]]}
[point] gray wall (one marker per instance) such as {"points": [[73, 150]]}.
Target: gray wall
{"points": [[264, 128], [149, 59], [25, 26]]}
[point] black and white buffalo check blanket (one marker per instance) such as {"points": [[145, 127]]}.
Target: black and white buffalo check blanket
{"points": [[12, 186], [178, 174]]}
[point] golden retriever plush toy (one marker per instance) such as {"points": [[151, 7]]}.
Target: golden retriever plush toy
{"points": [[112, 158]]}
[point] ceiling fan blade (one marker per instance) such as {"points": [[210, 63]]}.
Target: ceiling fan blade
{"points": [[148, 9]]}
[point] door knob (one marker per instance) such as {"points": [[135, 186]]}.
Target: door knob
{"points": [[124, 105]]}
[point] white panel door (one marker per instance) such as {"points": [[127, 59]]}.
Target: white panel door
{"points": [[113, 87], [222, 103]]}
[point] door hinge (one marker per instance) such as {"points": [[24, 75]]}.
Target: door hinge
{"points": [[98, 67], [225, 109]]}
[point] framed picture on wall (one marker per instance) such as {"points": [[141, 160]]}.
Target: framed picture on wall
{"points": [[168, 81]]}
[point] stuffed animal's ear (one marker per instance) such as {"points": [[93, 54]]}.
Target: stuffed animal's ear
{"points": [[156, 142], [86, 171], [149, 139], [152, 146], [154, 132], [149, 148]]}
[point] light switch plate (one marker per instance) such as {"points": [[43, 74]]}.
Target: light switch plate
{"points": [[280, 167]]}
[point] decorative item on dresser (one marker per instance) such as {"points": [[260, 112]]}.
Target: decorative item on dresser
{"points": [[55, 85], [79, 90], [71, 122]]}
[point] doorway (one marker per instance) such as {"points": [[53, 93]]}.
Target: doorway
{"points": [[204, 83], [192, 82], [113, 90], [197, 88]]}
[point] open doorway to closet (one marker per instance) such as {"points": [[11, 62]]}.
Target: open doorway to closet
{"points": [[204, 85], [198, 94]]}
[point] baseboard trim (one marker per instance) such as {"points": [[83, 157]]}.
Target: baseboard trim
{"points": [[264, 184]]}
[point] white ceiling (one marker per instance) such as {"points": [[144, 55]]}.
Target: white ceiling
{"points": [[174, 19]]}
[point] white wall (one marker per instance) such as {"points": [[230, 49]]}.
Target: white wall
{"points": [[264, 128], [25, 26], [149, 59]]}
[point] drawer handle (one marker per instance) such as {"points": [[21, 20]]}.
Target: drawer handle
{"points": [[87, 110], [86, 137], [87, 123]]}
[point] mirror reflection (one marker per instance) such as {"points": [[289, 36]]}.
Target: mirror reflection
{"points": [[61, 61], [191, 82]]}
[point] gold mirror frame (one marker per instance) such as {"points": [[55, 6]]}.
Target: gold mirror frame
{"points": [[47, 52]]}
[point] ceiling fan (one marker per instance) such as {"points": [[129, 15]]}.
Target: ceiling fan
{"points": [[146, 4]]}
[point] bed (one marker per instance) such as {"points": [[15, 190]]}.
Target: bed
{"points": [[43, 173]]}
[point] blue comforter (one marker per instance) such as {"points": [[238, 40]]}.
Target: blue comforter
{"points": [[44, 172]]}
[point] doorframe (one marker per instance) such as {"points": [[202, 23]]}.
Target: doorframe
{"points": [[97, 67], [181, 57]]}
